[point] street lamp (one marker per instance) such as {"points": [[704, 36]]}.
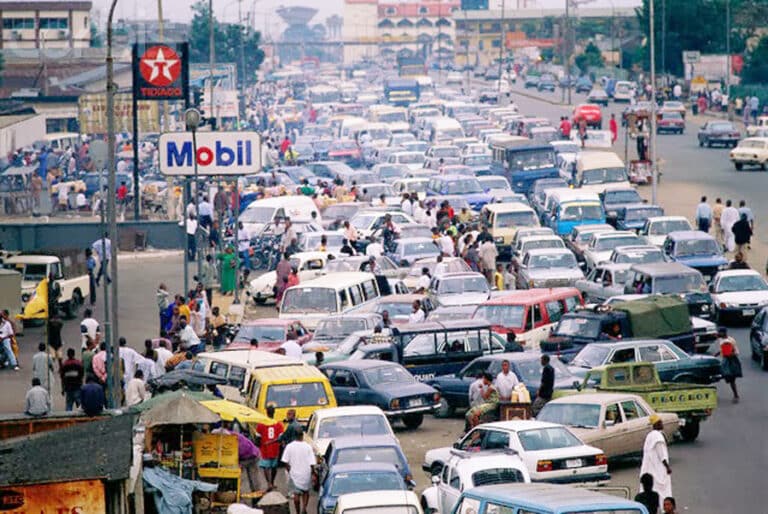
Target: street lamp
{"points": [[192, 119]]}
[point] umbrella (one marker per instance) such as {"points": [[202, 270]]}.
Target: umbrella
{"points": [[180, 410], [230, 411], [167, 396]]}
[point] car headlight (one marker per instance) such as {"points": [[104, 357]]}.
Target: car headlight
{"points": [[25, 297], [705, 308], [394, 404], [499, 240], [722, 267]]}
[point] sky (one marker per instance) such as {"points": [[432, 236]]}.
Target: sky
{"points": [[266, 19]]}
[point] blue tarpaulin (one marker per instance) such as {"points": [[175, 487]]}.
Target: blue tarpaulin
{"points": [[173, 494]]}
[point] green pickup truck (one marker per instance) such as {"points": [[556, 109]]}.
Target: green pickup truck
{"points": [[692, 403]]}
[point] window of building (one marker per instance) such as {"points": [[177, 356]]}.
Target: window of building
{"points": [[390, 11], [442, 22], [18, 23], [405, 22], [54, 23], [386, 23], [423, 10], [481, 45], [423, 22], [496, 43]]}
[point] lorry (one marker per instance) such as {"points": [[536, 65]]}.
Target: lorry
{"points": [[654, 317], [411, 66], [401, 92], [69, 272], [691, 402]]}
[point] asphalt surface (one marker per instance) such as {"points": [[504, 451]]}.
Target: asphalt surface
{"points": [[721, 472]]}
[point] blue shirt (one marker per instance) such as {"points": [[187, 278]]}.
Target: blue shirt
{"points": [[90, 263], [748, 212], [97, 248], [703, 211]]}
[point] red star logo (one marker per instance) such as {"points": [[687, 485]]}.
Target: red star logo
{"points": [[160, 66]]}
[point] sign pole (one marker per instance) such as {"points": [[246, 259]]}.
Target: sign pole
{"points": [[135, 112]]}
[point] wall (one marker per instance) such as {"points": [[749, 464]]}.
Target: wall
{"points": [[54, 235], [21, 134]]}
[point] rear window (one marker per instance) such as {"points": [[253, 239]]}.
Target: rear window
{"points": [[497, 476], [297, 395]]}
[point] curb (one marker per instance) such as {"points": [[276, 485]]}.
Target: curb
{"points": [[150, 254], [539, 98]]}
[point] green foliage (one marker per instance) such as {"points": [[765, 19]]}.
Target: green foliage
{"points": [[591, 58], [531, 29], [756, 64], [232, 42]]}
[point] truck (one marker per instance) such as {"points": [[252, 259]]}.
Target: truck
{"points": [[411, 66], [691, 402], [69, 272], [401, 92], [654, 317]]}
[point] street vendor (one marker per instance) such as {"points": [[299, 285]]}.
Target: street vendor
{"points": [[485, 402], [505, 382]]}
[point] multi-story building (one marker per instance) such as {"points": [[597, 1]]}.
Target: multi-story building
{"points": [[45, 24]]}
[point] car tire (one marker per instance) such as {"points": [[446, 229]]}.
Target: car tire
{"points": [[764, 361], [763, 166], [413, 421], [444, 409], [738, 165], [755, 356], [690, 431], [709, 144], [701, 143]]}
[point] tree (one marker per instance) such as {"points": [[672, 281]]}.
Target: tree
{"points": [[591, 58], [756, 64], [234, 43], [96, 40]]}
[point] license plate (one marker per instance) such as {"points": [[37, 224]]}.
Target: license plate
{"points": [[573, 463], [748, 312], [416, 402]]}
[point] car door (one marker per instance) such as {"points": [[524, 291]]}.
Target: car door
{"points": [[595, 285], [451, 490], [345, 387], [612, 430], [637, 426], [664, 360], [622, 355]]}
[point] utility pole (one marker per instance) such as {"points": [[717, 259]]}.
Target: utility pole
{"points": [[568, 48], [501, 44], [663, 38], [466, 51], [652, 124], [728, 52], [115, 387], [243, 33], [211, 62]]}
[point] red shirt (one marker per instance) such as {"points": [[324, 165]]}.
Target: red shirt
{"points": [[285, 145], [565, 128], [122, 192], [614, 129], [270, 442]]}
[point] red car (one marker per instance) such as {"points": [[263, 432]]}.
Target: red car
{"points": [[270, 332], [670, 121], [591, 113], [345, 150]]}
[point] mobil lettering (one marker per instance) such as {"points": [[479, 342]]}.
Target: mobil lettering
{"points": [[220, 154]]}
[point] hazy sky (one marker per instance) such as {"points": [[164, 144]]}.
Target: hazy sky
{"points": [[266, 19]]}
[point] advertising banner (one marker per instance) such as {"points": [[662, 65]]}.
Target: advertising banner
{"points": [[82, 497], [92, 114], [161, 71], [218, 153]]}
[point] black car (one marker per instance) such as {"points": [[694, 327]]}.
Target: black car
{"points": [[758, 338], [386, 385], [719, 132], [454, 389]]}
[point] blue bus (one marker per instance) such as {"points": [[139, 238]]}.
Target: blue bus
{"points": [[522, 162], [401, 92]]}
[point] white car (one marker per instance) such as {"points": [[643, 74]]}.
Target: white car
{"points": [[602, 244], [548, 267], [309, 264], [378, 502], [454, 77], [448, 265], [738, 294], [453, 289], [551, 452], [368, 222], [465, 470], [327, 424], [657, 227]]}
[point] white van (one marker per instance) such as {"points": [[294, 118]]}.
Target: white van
{"points": [[58, 142], [377, 134], [335, 293], [350, 126], [262, 212], [444, 130], [595, 170], [236, 366], [624, 91]]}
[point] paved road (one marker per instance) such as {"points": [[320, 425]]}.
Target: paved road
{"points": [[728, 456]]}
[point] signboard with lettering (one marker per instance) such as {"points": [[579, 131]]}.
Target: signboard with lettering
{"points": [[161, 71], [82, 497], [218, 153], [92, 114]]}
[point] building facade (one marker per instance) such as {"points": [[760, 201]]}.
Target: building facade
{"points": [[45, 24]]}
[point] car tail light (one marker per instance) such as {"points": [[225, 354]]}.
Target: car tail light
{"points": [[601, 460], [543, 465], [708, 412], [436, 397], [394, 404]]}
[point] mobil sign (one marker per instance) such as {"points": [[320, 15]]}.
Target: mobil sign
{"points": [[216, 153]]}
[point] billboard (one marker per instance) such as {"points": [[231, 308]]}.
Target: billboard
{"points": [[161, 71], [218, 153], [82, 497], [92, 114]]}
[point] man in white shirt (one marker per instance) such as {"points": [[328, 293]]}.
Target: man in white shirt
{"points": [[299, 459], [505, 382], [729, 216], [288, 236], [407, 205], [163, 354], [206, 212], [374, 248], [136, 390], [424, 280], [350, 233], [417, 314], [130, 358], [191, 228], [103, 248], [292, 349], [187, 336], [446, 245], [6, 332], [89, 329]]}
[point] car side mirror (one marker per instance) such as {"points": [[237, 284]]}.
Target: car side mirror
{"points": [[456, 445], [711, 288], [435, 479], [609, 423]]}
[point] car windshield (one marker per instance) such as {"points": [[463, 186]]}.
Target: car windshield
{"points": [[34, 272], [492, 476], [463, 285], [395, 308], [419, 248], [541, 243], [643, 214], [604, 175], [364, 221], [579, 212], [555, 260], [567, 148], [609, 243], [359, 482], [662, 228], [398, 509], [623, 197], [391, 171], [690, 247], [547, 439], [585, 235], [445, 151], [722, 127], [479, 160], [638, 257], [515, 219], [376, 190], [296, 395], [738, 283], [337, 328], [679, 284], [379, 133], [261, 333], [362, 424], [580, 415], [752, 144], [671, 116], [592, 355], [309, 299], [392, 117], [388, 375], [386, 454], [464, 186], [410, 158], [494, 182], [531, 160], [502, 315], [255, 214], [578, 327]]}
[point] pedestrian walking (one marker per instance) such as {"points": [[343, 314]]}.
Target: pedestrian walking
{"points": [[656, 458], [191, 230], [728, 218], [72, 374], [103, 249], [37, 401], [163, 298], [42, 366], [89, 330], [488, 255], [717, 213], [703, 215], [92, 398], [299, 459], [228, 270], [742, 234], [90, 263], [546, 388], [743, 209], [614, 128], [648, 496], [730, 364], [6, 336], [269, 447]]}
